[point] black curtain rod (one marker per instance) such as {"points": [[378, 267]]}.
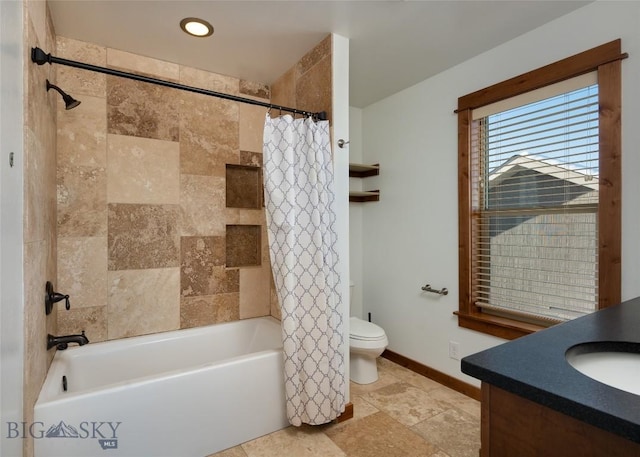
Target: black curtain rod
{"points": [[40, 57]]}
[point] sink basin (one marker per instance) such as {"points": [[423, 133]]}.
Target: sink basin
{"points": [[611, 363]]}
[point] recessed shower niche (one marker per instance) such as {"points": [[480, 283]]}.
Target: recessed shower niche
{"points": [[244, 186], [244, 245]]}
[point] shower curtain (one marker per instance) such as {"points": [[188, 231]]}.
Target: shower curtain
{"points": [[299, 196]]}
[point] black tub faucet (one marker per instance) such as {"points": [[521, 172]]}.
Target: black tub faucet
{"points": [[62, 342]]}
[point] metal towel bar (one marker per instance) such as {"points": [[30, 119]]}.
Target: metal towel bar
{"points": [[442, 291]]}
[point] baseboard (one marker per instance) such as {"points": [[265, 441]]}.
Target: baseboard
{"points": [[438, 376], [347, 414]]}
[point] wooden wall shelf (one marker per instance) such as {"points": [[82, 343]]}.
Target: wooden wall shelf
{"points": [[358, 170], [368, 196]]}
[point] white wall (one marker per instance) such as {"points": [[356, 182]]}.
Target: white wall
{"points": [[354, 151], [340, 110], [11, 179], [410, 236]]}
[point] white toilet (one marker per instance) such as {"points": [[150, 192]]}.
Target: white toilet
{"points": [[366, 342]]}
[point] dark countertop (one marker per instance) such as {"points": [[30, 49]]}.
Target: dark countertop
{"points": [[535, 368]]}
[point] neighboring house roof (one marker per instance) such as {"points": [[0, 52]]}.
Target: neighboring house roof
{"points": [[542, 165], [529, 181]]}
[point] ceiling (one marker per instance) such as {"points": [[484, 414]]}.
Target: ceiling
{"points": [[393, 44]]}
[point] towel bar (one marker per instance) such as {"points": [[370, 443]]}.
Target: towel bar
{"points": [[442, 291]]}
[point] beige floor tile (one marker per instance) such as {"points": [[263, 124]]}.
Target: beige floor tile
{"points": [[460, 401], [406, 375], [378, 435], [361, 408], [305, 441], [403, 414], [384, 379], [405, 403], [231, 452], [454, 431]]}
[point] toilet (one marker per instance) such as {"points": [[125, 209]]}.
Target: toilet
{"points": [[366, 342]]}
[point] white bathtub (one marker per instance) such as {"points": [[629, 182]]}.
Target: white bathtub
{"points": [[186, 393]]}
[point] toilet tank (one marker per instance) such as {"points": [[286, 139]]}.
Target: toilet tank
{"points": [[356, 308]]}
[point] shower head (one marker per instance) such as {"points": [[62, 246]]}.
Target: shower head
{"points": [[69, 101]]}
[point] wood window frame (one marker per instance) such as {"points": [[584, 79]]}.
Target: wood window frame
{"points": [[606, 60]]}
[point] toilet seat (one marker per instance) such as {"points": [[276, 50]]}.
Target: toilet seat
{"points": [[365, 331]]}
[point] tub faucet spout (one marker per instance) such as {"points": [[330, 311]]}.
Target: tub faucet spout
{"points": [[62, 342]]}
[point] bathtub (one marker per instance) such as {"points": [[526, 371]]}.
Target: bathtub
{"points": [[186, 393]]}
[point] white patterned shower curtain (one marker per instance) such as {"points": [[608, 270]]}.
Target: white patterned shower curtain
{"points": [[299, 199]]}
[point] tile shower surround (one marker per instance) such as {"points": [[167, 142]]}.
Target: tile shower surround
{"points": [[39, 204], [146, 241]]}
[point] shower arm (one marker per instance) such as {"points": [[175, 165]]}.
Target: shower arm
{"points": [[39, 57]]}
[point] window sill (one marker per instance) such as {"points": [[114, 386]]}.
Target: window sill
{"points": [[501, 327]]}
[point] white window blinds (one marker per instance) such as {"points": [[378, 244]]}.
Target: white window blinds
{"points": [[535, 204]]}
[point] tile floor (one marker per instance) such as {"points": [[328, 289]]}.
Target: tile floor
{"points": [[403, 414]]}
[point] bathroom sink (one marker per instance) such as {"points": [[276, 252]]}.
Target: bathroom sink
{"points": [[612, 363]]}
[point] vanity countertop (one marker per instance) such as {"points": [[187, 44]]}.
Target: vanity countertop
{"points": [[534, 367]]}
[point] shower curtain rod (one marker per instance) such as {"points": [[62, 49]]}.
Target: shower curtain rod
{"points": [[40, 57]]}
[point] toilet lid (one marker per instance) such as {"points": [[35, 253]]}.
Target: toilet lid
{"points": [[363, 330]]}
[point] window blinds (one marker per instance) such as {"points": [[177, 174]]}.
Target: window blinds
{"points": [[535, 203]]}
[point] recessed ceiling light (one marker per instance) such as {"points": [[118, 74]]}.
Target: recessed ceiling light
{"points": [[196, 27]]}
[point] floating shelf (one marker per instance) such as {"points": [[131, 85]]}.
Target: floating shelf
{"points": [[368, 196], [357, 170]]}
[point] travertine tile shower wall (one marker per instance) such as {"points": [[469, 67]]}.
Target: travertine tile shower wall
{"points": [[145, 237], [39, 222], [308, 84]]}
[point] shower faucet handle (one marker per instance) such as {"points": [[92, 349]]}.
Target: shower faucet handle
{"points": [[52, 297]]}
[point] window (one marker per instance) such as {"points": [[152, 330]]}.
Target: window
{"points": [[539, 192]]}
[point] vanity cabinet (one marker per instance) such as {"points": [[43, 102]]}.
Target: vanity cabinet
{"points": [[514, 426], [357, 170], [536, 404]]}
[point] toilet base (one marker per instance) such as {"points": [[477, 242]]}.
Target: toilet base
{"points": [[363, 369]]}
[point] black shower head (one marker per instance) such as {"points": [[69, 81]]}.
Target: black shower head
{"points": [[69, 101]]}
